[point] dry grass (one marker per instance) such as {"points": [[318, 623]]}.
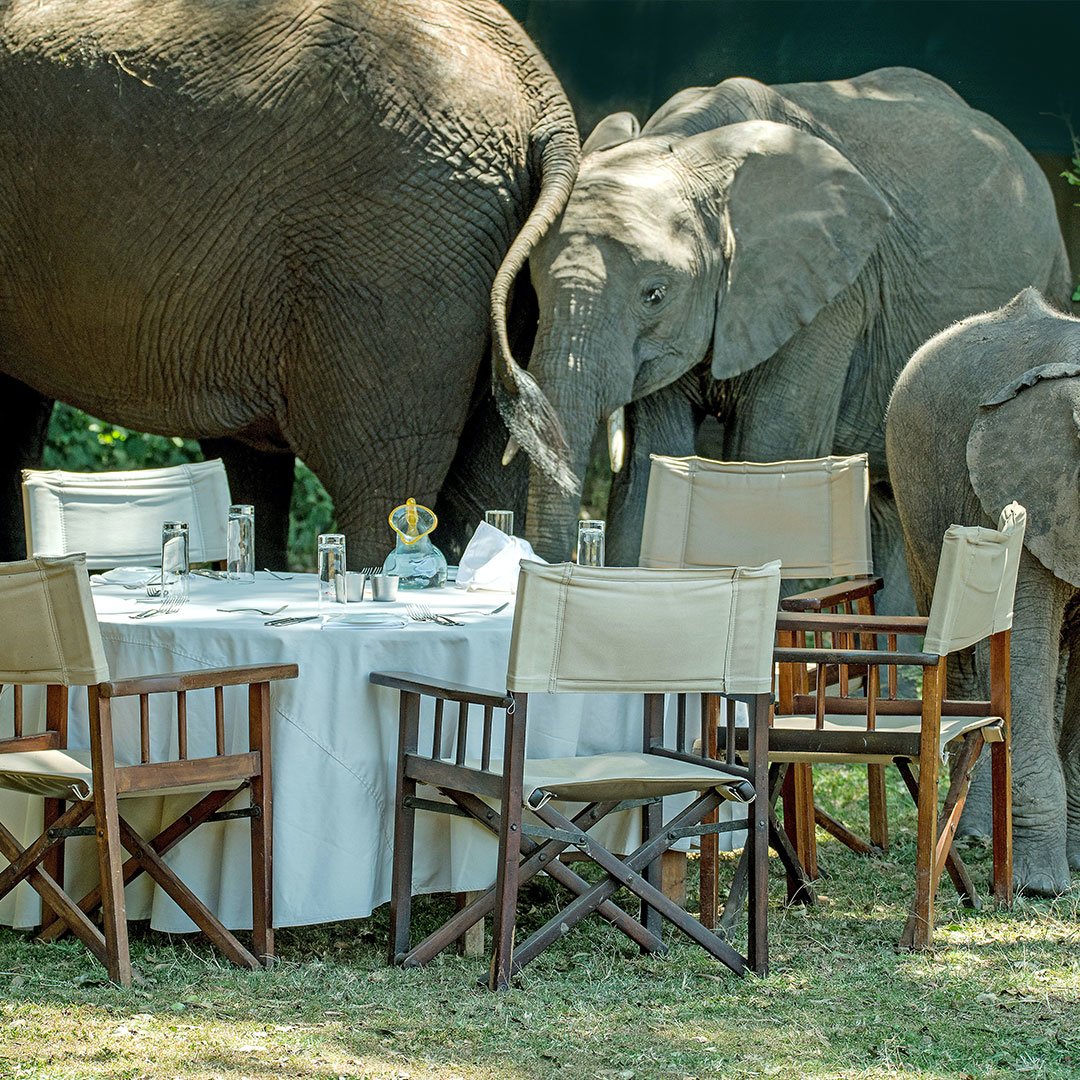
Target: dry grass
{"points": [[997, 997]]}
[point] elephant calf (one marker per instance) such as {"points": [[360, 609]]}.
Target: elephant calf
{"points": [[988, 411]]}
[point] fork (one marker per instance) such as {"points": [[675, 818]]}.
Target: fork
{"points": [[170, 603], [256, 610], [423, 613]]}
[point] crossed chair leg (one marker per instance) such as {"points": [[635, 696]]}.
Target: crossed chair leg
{"points": [[639, 872], [935, 856], [110, 948]]}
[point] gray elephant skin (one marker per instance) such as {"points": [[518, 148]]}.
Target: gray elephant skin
{"points": [[986, 412], [771, 256], [272, 225]]}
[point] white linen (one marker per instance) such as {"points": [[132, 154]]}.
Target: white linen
{"points": [[334, 748], [490, 561]]}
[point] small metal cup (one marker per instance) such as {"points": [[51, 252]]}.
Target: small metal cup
{"points": [[384, 586], [354, 586]]}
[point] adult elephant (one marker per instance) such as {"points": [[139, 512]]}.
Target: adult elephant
{"points": [[772, 256], [275, 223], [986, 412]]}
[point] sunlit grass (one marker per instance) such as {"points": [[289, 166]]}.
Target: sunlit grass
{"points": [[997, 997]]}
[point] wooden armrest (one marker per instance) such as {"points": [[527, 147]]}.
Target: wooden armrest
{"points": [[831, 595], [854, 656], [422, 684], [197, 680], [876, 624]]}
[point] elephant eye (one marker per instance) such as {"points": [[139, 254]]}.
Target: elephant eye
{"points": [[653, 294]]}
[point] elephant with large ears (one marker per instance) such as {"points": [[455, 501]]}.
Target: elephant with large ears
{"points": [[771, 256], [986, 412], [276, 223]]}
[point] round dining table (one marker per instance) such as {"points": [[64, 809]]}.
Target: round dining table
{"points": [[334, 741]]}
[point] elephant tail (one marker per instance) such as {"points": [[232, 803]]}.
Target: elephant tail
{"points": [[528, 415]]}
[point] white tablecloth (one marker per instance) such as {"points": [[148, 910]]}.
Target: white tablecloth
{"points": [[334, 747]]}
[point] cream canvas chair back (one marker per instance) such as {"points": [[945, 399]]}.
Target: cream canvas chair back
{"points": [[49, 633], [631, 630], [115, 517], [976, 581], [812, 515]]}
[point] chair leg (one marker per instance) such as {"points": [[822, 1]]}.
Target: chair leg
{"points": [[709, 844], [53, 863], [757, 842], [262, 828], [652, 820], [404, 832], [799, 815], [879, 814], [110, 852], [1001, 795]]}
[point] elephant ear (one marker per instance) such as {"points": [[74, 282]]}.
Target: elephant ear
{"points": [[1025, 445], [801, 221], [613, 130]]}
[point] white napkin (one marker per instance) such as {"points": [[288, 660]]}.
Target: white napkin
{"points": [[491, 560], [130, 575]]}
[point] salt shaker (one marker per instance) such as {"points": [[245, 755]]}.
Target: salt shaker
{"points": [[241, 543]]}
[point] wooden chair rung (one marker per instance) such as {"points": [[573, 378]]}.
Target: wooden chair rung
{"points": [[436, 731], [219, 719], [181, 724], [462, 732], [144, 728]]}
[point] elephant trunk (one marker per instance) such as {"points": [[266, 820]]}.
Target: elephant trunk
{"points": [[532, 421]]}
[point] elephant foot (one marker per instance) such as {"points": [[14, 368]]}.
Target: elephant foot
{"points": [[1040, 868], [1072, 851], [976, 822]]}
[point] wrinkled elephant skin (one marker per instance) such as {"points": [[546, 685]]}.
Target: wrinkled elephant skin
{"points": [[986, 412], [771, 256], [274, 223]]}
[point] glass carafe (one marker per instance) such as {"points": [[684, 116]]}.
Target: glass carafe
{"points": [[416, 561]]}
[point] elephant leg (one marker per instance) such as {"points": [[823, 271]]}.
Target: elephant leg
{"points": [[24, 424], [887, 544], [264, 479], [1069, 744], [661, 423], [1039, 829]]}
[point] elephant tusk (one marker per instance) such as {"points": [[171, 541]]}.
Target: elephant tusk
{"points": [[616, 439], [511, 450]]}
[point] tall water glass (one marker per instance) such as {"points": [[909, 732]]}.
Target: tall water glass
{"points": [[174, 564], [590, 543], [240, 564], [332, 582], [501, 519]]}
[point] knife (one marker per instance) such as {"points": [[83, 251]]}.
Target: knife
{"points": [[292, 619]]}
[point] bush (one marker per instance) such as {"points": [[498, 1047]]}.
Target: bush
{"points": [[83, 443]]}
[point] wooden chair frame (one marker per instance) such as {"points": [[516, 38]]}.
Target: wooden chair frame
{"points": [[526, 849], [41, 862], [935, 852]]}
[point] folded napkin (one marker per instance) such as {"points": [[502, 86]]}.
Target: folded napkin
{"points": [[491, 560], [130, 575]]}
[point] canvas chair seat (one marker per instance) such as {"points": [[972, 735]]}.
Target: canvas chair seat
{"points": [[952, 727], [67, 774], [620, 775]]}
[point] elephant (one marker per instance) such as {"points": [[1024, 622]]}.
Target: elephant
{"points": [[273, 226], [770, 256], [986, 412]]}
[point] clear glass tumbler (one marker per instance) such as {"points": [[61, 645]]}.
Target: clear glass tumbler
{"points": [[332, 582], [590, 543], [241, 549], [174, 564], [501, 519]]}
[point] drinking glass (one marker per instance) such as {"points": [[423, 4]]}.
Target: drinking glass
{"points": [[174, 564], [501, 519], [332, 582], [590, 543], [240, 564]]}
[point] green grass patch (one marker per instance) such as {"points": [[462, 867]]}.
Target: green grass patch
{"points": [[998, 996]]}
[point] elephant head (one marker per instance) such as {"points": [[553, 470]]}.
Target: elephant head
{"points": [[1007, 457], [678, 243]]}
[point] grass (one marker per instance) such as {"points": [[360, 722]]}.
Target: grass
{"points": [[998, 996]]}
